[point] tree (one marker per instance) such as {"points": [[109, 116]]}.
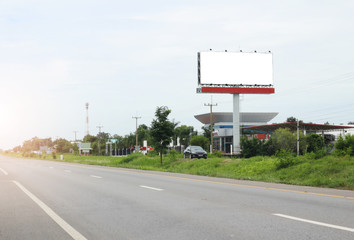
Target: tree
{"points": [[199, 140], [143, 134], [63, 145], [184, 133], [35, 143], [315, 142], [161, 130], [284, 139], [206, 132], [17, 148], [293, 119]]}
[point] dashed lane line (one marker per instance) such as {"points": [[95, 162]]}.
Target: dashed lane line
{"points": [[3, 171], [151, 188], [94, 176]]}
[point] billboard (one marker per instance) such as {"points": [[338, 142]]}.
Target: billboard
{"points": [[236, 69]]}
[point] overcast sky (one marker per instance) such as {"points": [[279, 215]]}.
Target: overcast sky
{"points": [[125, 58]]}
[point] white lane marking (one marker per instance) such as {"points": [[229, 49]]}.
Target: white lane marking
{"points": [[314, 222], [3, 171], [61, 222], [68, 171], [94, 176], [152, 188], [51, 167]]}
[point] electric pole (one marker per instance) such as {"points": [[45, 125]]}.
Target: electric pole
{"points": [[75, 134], [211, 122], [297, 138], [87, 119], [99, 138], [136, 132]]}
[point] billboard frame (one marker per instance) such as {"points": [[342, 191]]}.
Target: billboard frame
{"points": [[235, 88]]}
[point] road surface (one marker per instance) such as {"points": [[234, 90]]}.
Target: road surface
{"points": [[55, 200]]}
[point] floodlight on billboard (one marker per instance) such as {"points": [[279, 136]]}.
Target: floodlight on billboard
{"points": [[235, 72]]}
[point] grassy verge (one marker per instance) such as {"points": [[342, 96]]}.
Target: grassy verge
{"points": [[329, 171]]}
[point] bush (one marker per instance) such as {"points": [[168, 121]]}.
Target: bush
{"points": [[345, 145], [314, 142], [284, 159], [256, 147], [54, 155], [173, 155], [216, 154], [152, 153]]}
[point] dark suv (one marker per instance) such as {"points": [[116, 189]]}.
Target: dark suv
{"points": [[195, 152]]}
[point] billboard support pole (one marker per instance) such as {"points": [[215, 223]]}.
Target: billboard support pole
{"points": [[236, 124]]}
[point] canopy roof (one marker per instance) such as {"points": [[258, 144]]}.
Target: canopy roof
{"points": [[245, 117], [293, 127]]}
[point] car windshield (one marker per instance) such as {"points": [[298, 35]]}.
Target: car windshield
{"points": [[196, 148]]}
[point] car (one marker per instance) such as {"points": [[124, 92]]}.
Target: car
{"points": [[195, 152]]}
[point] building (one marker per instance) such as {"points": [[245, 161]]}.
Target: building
{"points": [[223, 125]]}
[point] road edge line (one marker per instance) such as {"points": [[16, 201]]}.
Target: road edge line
{"points": [[314, 222], [61, 222]]}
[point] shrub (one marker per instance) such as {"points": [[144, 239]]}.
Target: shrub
{"points": [[345, 145], [173, 155], [284, 159], [314, 142], [54, 155], [216, 154], [152, 153]]}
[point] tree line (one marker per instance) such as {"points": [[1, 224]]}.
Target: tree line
{"points": [[159, 135]]}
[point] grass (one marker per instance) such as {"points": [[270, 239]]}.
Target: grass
{"points": [[329, 171]]}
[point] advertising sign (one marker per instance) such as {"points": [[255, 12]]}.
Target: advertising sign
{"points": [[235, 69]]}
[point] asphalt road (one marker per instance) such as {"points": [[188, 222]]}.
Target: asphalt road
{"points": [[53, 200]]}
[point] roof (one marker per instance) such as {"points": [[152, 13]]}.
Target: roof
{"points": [[293, 127], [245, 117]]}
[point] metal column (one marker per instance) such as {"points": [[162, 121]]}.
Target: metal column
{"points": [[236, 124]]}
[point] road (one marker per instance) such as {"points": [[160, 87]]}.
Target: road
{"points": [[54, 200]]}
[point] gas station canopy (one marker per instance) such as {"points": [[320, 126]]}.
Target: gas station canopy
{"points": [[293, 127]]}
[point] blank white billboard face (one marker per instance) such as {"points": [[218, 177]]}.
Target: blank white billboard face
{"points": [[235, 68]]}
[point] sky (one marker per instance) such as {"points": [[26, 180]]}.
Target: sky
{"points": [[126, 58]]}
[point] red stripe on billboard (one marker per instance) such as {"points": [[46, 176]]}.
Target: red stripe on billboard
{"points": [[236, 90]]}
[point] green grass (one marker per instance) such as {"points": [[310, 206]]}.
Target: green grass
{"points": [[329, 171]]}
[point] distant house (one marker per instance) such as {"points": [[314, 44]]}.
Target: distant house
{"points": [[84, 148]]}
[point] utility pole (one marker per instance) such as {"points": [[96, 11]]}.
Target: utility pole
{"points": [[99, 138], [75, 134], [211, 125], [297, 138], [136, 133], [87, 119]]}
